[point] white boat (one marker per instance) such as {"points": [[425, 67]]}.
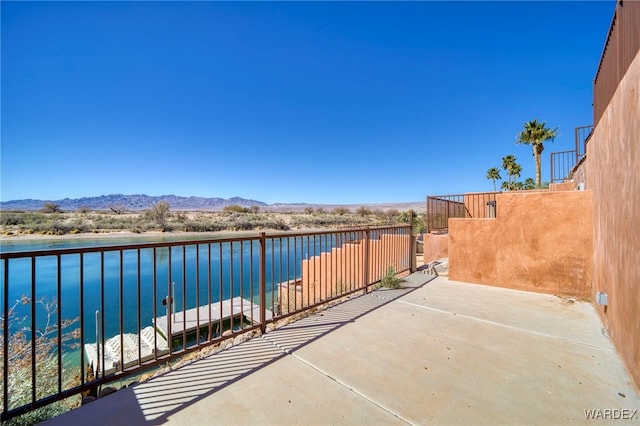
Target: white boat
{"points": [[135, 348]]}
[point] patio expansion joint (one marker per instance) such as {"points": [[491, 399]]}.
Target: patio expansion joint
{"points": [[511, 327], [338, 381]]}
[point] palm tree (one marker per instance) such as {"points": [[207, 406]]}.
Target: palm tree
{"points": [[529, 183], [494, 174], [508, 161], [535, 134], [516, 169]]}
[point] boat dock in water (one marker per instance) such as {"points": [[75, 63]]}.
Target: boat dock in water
{"points": [[141, 347], [239, 309]]}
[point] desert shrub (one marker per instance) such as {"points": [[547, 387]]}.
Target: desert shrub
{"points": [[235, 209], [60, 228], [249, 221], [202, 226], [51, 208], [341, 211], [12, 218], [328, 220], [390, 280], [19, 374], [141, 225], [279, 224], [392, 215], [110, 222], [363, 211], [159, 213]]}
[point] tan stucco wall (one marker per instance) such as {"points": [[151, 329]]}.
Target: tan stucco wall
{"points": [[613, 164], [539, 241], [563, 186], [435, 246]]}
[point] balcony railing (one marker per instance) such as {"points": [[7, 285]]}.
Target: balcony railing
{"points": [[563, 163], [75, 319], [441, 208], [620, 48]]}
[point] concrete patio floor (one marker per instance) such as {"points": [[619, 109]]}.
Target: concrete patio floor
{"points": [[434, 352]]}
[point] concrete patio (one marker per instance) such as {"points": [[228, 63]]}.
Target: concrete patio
{"points": [[434, 352]]}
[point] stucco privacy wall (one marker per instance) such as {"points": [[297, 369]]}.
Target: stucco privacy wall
{"points": [[435, 246], [539, 241], [613, 164]]}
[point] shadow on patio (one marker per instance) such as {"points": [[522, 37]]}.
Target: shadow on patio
{"points": [[436, 351]]}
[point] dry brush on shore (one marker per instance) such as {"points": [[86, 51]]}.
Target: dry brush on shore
{"points": [[161, 218]]}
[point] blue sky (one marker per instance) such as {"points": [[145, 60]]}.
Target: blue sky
{"points": [[318, 102]]}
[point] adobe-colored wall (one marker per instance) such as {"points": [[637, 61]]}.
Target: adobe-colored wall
{"points": [[613, 164], [539, 241], [435, 246], [562, 186]]}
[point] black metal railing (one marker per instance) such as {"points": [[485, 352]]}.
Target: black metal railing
{"points": [[582, 135], [77, 318], [441, 208], [563, 163]]}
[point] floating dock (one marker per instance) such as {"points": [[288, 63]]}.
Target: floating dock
{"points": [[200, 317], [140, 347]]}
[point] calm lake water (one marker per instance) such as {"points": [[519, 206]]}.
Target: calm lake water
{"points": [[121, 283]]}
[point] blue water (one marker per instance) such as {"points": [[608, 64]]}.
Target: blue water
{"points": [[121, 283]]}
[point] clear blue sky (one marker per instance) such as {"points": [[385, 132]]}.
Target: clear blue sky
{"points": [[287, 102]]}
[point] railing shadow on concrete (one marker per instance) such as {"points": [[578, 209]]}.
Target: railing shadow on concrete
{"points": [[153, 402], [262, 278]]}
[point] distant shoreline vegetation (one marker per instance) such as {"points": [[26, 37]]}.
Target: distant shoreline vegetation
{"points": [[51, 220]]}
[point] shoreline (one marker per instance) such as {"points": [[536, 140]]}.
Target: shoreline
{"points": [[148, 235], [121, 234]]}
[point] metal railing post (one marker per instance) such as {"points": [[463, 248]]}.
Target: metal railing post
{"points": [[263, 282], [365, 261], [5, 340], [412, 245]]}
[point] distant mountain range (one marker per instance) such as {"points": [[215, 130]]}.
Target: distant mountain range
{"points": [[140, 202], [135, 202]]}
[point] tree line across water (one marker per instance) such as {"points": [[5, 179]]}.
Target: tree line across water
{"points": [[51, 220]]}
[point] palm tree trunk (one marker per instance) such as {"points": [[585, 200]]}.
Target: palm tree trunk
{"points": [[536, 154]]}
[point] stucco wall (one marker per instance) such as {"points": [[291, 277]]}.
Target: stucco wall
{"points": [[435, 246], [613, 162], [539, 241]]}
